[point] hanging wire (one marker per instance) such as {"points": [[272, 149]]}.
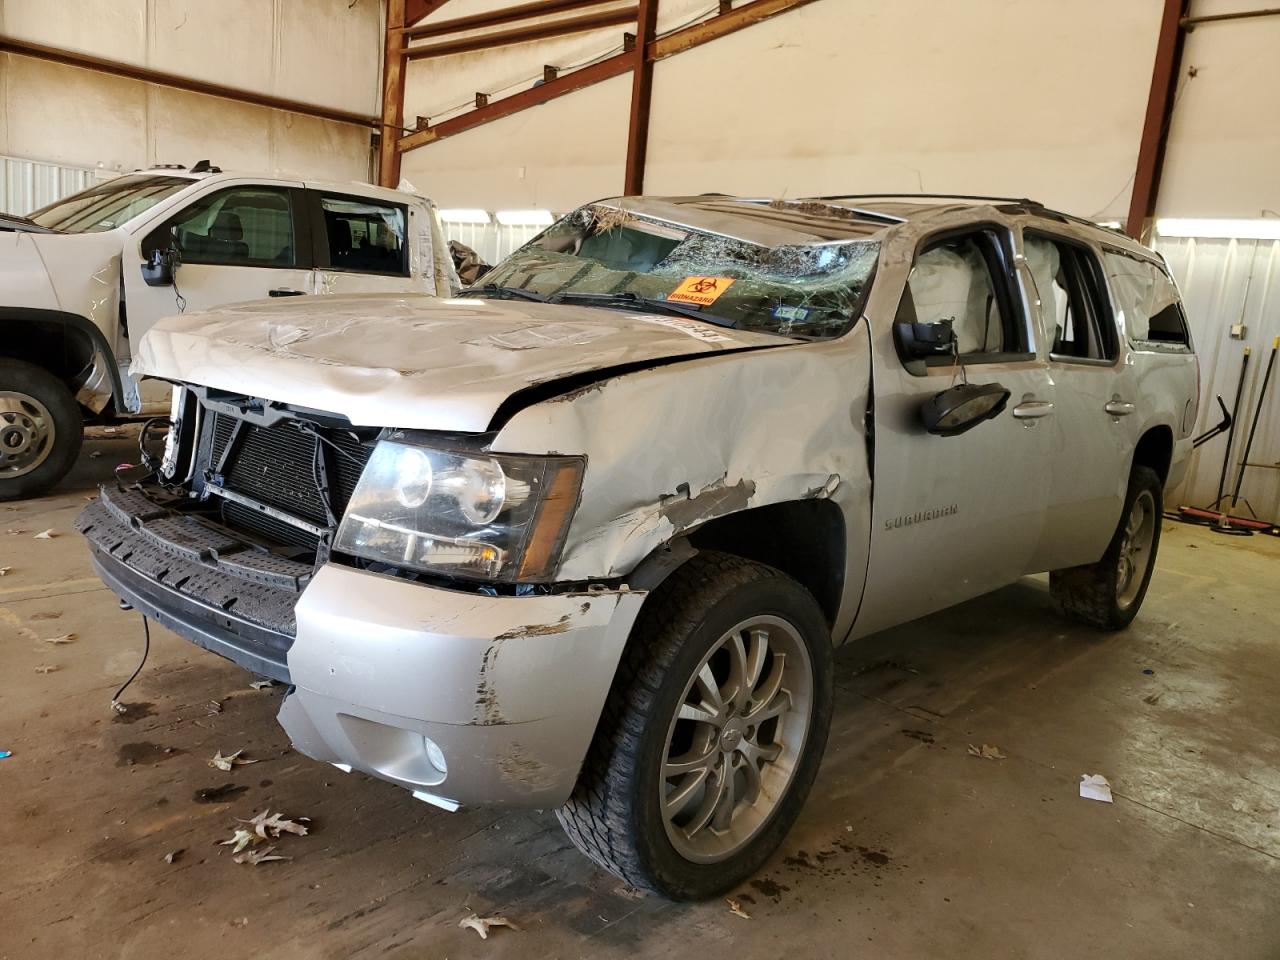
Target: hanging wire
{"points": [[116, 705]]}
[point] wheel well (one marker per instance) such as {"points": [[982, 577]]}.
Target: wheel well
{"points": [[805, 539], [64, 344], [1155, 450]]}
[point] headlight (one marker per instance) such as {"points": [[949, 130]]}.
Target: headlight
{"points": [[462, 513]]}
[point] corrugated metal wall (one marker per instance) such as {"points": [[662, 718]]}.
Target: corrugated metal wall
{"points": [[493, 241], [27, 185], [1225, 282]]}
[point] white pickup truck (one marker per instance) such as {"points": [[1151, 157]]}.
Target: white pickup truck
{"points": [[586, 535], [82, 279]]}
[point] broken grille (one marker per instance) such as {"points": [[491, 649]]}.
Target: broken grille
{"points": [[302, 470]]}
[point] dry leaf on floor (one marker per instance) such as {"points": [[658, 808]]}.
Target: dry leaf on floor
{"points": [[12, 532], [262, 684], [50, 615], [240, 839], [94, 454], [987, 752], [65, 638], [213, 707], [226, 763], [45, 535], [256, 857], [173, 855], [736, 908], [481, 925], [4, 571], [265, 826], [1094, 786], [47, 668]]}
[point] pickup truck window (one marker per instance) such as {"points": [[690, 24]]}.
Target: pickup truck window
{"points": [[239, 226], [1073, 304], [609, 257], [108, 205], [958, 279], [364, 235], [1148, 301]]}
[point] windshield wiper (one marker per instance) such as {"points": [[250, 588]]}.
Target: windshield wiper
{"points": [[493, 290], [630, 298]]}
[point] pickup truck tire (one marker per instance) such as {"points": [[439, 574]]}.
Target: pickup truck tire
{"points": [[40, 430], [1107, 594], [717, 627]]}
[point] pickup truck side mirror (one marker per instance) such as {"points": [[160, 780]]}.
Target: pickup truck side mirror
{"points": [[918, 340], [952, 412], [160, 266]]}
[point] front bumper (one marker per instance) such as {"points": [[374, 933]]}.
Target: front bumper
{"points": [[507, 690]]}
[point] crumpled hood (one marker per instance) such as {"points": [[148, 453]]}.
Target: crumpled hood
{"points": [[413, 361]]}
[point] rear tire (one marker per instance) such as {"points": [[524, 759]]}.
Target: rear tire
{"points": [[727, 673], [1108, 594], [40, 430]]}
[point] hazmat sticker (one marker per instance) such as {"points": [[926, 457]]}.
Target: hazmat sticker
{"points": [[700, 291]]}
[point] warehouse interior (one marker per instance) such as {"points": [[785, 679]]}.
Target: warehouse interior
{"points": [[948, 815]]}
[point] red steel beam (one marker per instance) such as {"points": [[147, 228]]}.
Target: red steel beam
{"points": [[498, 18], [566, 83], [393, 71], [39, 51], [540, 31], [641, 96], [678, 42], [1155, 126]]}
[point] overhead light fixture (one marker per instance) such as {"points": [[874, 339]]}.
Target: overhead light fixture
{"points": [[464, 216], [1259, 229], [525, 218]]}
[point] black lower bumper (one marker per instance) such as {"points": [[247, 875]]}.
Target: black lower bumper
{"points": [[226, 595]]}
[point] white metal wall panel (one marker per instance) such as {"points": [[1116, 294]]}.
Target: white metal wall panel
{"points": [[493, 241], [27, 185], [1225, 282]]}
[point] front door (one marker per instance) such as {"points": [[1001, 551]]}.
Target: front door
{"points": [[955, 517]]}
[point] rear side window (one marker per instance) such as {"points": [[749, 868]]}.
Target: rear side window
{"points": [[239, 226], [365, 236], [1072, 294], [1147, 300]]}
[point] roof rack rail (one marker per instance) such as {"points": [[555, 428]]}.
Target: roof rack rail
{"points": [[931, 196]]}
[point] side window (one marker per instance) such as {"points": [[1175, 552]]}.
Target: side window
{"points": [[961, 279], [1148, 301], [239, 226], [1072, 294], [365, 236]]}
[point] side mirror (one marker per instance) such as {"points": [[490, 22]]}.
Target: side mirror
{"points": [[160, 266], [952, 412], [918, 340]]}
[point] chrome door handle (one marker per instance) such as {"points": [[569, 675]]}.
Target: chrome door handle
{"points": [[1031, 409], [1119, 408]]}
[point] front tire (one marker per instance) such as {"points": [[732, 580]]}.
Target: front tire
{"points": [[712, 733], [40, 430], [1108, 594]]}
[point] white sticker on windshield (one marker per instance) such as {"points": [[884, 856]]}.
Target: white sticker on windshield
{"points": [[691, 328]]}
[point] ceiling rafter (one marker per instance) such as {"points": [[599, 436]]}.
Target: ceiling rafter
{"points": [[538, 31], [498, 18]]}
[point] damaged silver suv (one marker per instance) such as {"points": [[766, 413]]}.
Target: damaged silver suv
{"points": [[586, 535]]}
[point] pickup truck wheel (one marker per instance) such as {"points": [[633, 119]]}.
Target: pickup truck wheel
{"points": [[40, 430], [712, 733], [1107, 594]]}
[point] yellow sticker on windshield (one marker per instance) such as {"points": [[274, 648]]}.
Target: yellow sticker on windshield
{"points": [[702, 291]]}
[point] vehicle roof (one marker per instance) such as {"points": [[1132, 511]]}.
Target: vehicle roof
{"points": [[337, 186], [818, 220]]}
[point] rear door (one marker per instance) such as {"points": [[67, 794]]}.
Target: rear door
{"points": [[954, 517], [1094, 409], [362, 244]]}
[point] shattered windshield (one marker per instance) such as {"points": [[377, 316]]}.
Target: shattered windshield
{"points": [[601, 255], [108, 205]]}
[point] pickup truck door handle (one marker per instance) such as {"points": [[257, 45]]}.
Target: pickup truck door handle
{"points": [[1118, 408], [1031, 409], [286, 292]]}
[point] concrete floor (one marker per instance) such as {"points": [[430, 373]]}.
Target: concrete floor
{"points": [[909, 846]]}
